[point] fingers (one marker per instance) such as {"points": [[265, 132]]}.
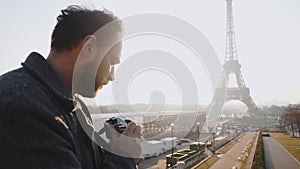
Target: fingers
{"points": [[130, 129], [112, 132], [137, 133], [133, 130], [127, 143]]}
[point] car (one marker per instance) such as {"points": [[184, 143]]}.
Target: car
{"points": [[265, 135]]}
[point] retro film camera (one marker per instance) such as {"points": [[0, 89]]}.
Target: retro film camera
{"points": [[117, 123]]}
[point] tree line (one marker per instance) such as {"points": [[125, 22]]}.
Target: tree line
{"points": [[291, 119]]}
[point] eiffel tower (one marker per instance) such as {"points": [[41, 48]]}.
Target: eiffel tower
{"points": [[223, 92]]}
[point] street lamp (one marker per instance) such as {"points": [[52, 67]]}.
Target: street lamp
{"points": [[172, 127], [198, 132], [213, 142]]}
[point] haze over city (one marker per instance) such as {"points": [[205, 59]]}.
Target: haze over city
{"points": [[267, 35]]}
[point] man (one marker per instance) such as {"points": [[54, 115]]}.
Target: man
{"points": [[43, 124]]}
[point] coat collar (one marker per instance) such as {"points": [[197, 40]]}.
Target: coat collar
{"points": [[39, 67]]}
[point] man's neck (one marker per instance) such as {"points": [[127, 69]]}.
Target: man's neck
{"points": [[63, 64]]}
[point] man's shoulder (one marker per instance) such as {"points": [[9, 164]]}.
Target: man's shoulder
{"points": [[18, 84], [21, 93], [17, 79]]}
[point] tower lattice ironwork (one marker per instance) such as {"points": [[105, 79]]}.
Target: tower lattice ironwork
{"points": [[224, 92]]}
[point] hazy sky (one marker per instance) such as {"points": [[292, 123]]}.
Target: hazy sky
{"points": [[267, 34]]}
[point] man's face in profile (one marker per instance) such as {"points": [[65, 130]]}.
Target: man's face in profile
{"points": [[105, 72]]}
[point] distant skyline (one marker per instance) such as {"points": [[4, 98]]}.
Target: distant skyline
{"points": [[267, 35]]}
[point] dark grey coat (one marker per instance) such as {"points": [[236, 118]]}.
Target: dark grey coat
{"points": [[39, 128]]}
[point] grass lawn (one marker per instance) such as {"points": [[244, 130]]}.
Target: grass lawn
{"points": [[292, 145]]}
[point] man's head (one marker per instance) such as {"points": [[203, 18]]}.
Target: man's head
{"points": [[73, 37]]}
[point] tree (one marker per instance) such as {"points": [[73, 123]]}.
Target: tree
{"points": [[292, 119]]}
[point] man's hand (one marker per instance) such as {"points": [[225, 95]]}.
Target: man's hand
{"points": [[126, 144]]}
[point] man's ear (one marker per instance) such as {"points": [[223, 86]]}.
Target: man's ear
{"points": [[89, 47]]}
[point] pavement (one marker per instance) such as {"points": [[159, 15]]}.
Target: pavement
{"points": [[233, 158], [276, 157]]}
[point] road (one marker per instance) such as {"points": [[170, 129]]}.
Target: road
{"points": [[235, 154], [276, 157]]}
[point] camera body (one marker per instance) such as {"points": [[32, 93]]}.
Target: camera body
{"points": [[117, 123]]}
